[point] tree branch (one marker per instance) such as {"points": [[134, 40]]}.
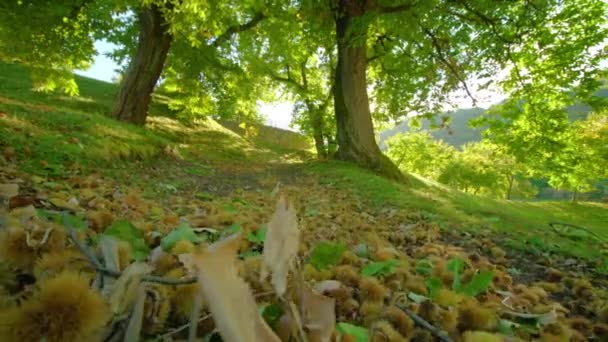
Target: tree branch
{"points": [[372, 5], [288, 80], [232, 30], [439, 53]]}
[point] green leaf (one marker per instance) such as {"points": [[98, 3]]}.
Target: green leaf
{"points": [[456, 266], [433, 284], [62, 218], [478, 284], [234, 228], [382, 268], [326, 254], [125, 231], [272, 313], [257, 236], [424, 267], [505, 327], [312, 213], [359, 333], [182, 232], [204, 196], [229, 208]]}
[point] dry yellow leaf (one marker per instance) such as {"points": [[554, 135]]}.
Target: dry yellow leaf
{"points": [[318, 314], [228, 296], [281, 245]]}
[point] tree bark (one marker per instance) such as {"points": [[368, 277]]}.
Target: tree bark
{"points": [[355, 131], [316, 120], [510, 187], [135, 93]]}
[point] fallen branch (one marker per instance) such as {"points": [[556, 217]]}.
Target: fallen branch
{"points": [[426, 325], [90, 256]]}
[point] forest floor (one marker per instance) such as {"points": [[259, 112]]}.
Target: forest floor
{"points": [[548, 282]]}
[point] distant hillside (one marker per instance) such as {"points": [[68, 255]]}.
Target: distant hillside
{"points": [[458, 131], [456, 134]]}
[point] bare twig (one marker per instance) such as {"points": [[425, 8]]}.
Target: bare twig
{"points": [[90, 256], [426, 325], [184, 327]]}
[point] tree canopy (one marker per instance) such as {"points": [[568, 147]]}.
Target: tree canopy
{"points": [[346, 64]]}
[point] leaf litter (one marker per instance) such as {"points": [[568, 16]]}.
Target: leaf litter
{"points": [[358, 275]]}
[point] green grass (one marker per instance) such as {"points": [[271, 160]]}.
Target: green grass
{"points": [[52, 135], [522, 222]]}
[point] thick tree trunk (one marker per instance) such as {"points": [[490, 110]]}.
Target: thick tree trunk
{"points": [[356, 140], [133, 98]]}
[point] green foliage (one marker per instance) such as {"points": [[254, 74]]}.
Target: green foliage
{"points": [[64, 218], [272, 314], [433, 284], [125, 231], [182, 232], [53, 38], [424, 266], [477, 285], [380, 268], [418, 152], [359, 333], [257, 236], [326, 254]]}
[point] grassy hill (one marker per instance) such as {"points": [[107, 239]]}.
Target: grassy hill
{"points": [[50, 135], [65, 154]]}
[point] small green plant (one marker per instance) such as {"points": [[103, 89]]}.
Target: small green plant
{"points": [[257, 236], [360, 334], [326, 254], [182, 232], [424, 267], [380, 268], [125, 231], [72, 221], [478, 284]]}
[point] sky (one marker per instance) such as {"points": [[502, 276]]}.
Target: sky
{"points": [[277, 114]]}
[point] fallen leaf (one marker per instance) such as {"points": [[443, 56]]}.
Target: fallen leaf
{"points": [[123, 292], [327, 286], [280, 245], [8, 190], [318, 314], [228, 296]]}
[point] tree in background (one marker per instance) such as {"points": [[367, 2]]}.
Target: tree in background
{"points": [[419, 153], [53, 38], [298, 60], [581, 163], [480, 168]]}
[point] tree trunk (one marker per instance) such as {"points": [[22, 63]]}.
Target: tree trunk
{"points": [[575, 195], [510, 187], [356, 140], [316, 118], [133, 98]]}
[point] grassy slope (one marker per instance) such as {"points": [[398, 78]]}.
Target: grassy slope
{"points": [[51, 134]]}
